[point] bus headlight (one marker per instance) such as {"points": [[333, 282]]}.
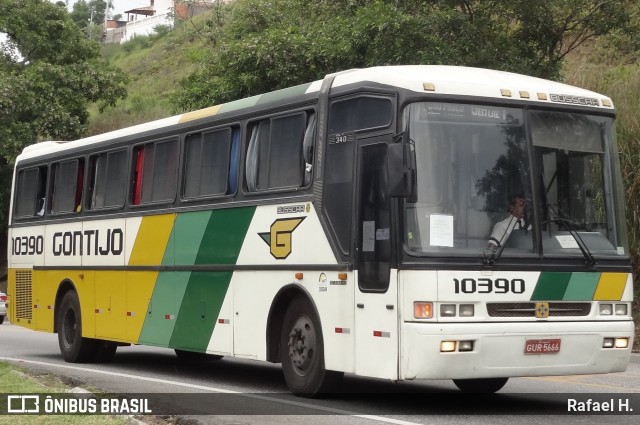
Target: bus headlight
{"points": [[622, 342], [466, 310], [447, 310], [447, 346], [621, 309], [615, 342], [452, 346], [606, 309], [465, 346], [453, 310]]}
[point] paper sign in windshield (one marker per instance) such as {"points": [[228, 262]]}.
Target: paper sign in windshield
{"points": [[567, 241], [441, 230]]}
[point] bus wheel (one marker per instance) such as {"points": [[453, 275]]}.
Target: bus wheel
{"points": [[74, 348], [192, 356], [302, 351], [484, 385]]}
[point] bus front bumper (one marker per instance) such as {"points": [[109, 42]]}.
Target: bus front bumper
{"points": [[498, 349]]}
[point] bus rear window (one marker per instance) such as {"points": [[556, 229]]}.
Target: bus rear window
{"points": [[30, 192]]}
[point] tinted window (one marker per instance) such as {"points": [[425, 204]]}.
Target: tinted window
{"points": [[108, 179], [375, 220], [275, 153], [30, 193], [156, 172], [360, 113], [207, 163], [66, 186], [338, 187]]}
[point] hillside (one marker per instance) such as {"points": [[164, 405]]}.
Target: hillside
{"points": [[155, 66]]}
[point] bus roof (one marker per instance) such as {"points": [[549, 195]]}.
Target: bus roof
{"points": [[433, 79]]}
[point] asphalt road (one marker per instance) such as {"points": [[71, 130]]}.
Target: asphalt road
{"points": [[235, 391]]}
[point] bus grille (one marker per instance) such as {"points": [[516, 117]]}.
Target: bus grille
{"points": [[529, 309], [22, 302]]}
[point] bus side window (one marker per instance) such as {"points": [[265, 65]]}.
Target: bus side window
{"points": [[234, 161], [156, 172], [207, 163], [108, 174], [251, 167], [66, 186], [307, 149], [31, 192], [275, 153], [360, 113], [137, 175]]}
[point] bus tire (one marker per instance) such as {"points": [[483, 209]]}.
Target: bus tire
{"points": [[193, 356], [302, 351], [482, 386], [73, 347]]}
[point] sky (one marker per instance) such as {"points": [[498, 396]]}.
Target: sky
{"points": [[119, 6]]}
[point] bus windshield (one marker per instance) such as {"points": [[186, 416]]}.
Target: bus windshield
{"points": [[477, 188]]}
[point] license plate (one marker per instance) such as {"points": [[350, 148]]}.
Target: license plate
{"points": [[542, 346]]}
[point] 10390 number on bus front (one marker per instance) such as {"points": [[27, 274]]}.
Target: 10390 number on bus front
{"points": [[488, 286]]}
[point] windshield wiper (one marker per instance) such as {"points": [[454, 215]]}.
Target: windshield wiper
{"points": [[591, 261]]}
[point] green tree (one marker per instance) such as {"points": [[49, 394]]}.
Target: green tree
{"points": [[87, 13], [49, 74], [271, 44]]}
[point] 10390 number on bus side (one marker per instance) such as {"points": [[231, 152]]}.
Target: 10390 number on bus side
{"points": [[488, 286]]}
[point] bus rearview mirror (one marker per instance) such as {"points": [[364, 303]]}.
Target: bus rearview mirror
{"points": [[401, 174]]}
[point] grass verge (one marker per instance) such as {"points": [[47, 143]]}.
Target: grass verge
{"points": [[13, 380]]}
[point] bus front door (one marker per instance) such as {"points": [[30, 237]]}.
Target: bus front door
{"points": [[376, 299]]}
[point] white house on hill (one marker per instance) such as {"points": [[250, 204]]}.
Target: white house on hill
{"points": [[143, 20]]}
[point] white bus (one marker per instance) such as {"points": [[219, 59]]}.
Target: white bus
{"points": [[342, 226]]}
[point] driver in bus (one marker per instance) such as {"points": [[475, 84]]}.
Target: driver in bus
{"points": [[515, 221]]}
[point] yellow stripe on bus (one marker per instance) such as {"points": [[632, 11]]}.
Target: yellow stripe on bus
{"points": [[140, 287], [201, 113], [610, 287], [151, 240]]}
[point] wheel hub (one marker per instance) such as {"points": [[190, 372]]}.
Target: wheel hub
{"points": [[302, 344]]}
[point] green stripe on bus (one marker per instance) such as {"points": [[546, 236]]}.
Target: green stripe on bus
{"points": [[582, 286], [185, 305], [284, 93], [551, 286], [199, 310], [239, 104], [224, 235], [163, 308], [220, 234], [186, 237]]}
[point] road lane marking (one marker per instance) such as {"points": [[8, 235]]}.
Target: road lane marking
{"points": [[217, 390], [574, 380]]}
